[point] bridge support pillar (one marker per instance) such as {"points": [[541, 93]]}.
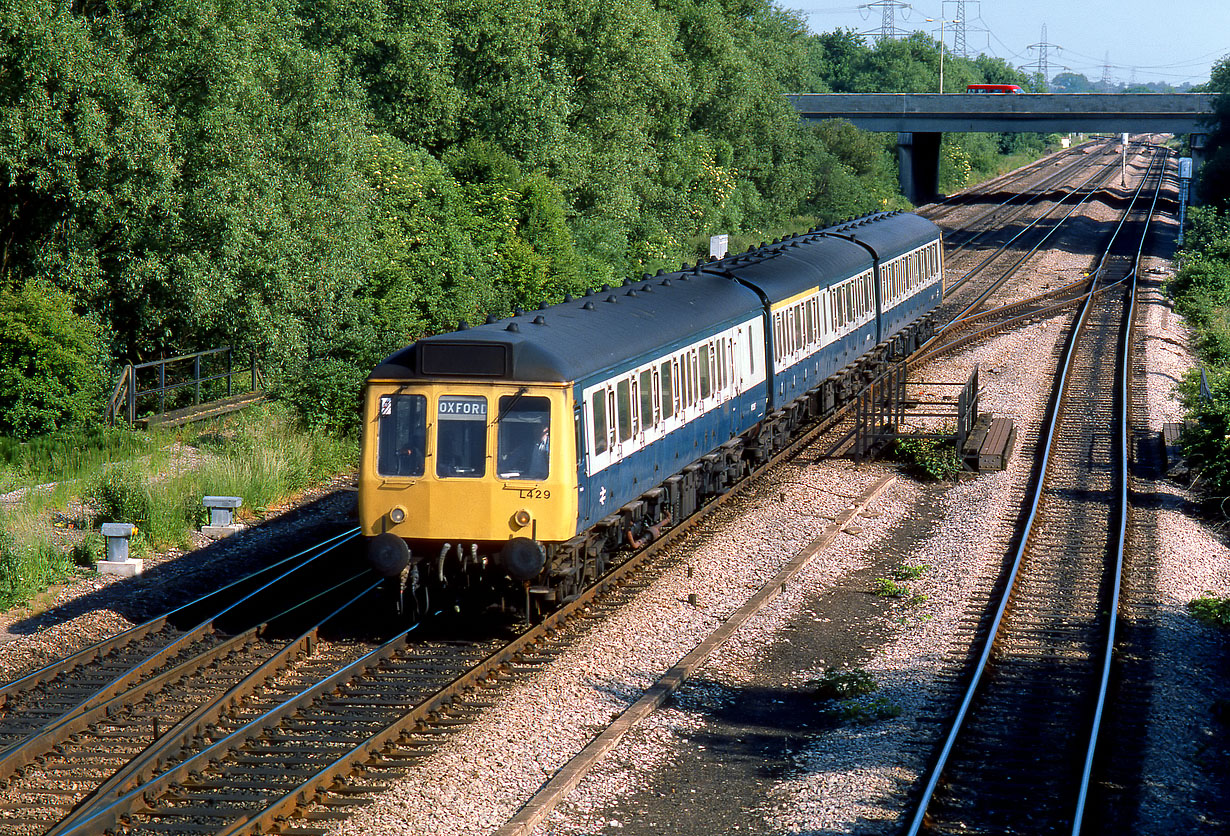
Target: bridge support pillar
{"points": [[918, 166], [1199, 145]]}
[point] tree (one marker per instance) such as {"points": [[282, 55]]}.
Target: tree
{"points": [[50, 363]]}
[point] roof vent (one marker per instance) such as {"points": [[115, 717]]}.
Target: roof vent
{"points": [[542, 306], [612, 298], [666, 282], [606, 288], [540, 320], [660, 272], [491, 319], [463, 326], [686, 266], [647, 288], [514, 327], [631, 292], [645, 277], [588, 306], [518, 312]]}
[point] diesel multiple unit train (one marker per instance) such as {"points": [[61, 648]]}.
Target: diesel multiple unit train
{"points": [[525, 453]]}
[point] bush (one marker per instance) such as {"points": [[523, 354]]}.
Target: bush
{"points": [[1212, 611], [327, 396], [121, 494], [930, 458], [26, 571], [50, 363]]}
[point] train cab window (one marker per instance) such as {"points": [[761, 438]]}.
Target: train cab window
{"points": [[623, 408], [461, 436], [598, 411], [401, 435], [704, 372], [646, 392], [665, 381], [523, 438]]}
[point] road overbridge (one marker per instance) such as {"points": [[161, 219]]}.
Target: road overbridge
{"points": [[921, 119]]}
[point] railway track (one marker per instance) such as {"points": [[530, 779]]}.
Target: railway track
{"points": [[66, 727], [1020, 752], [293, 745]]}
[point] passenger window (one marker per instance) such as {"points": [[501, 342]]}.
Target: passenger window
{"points": [[401, 435], [704, 371], [811, 322], [461, 436], [598, 410], [798, 327], [677, 385], [721, 364], [647, 420], [693, 380], [667, 390], [623, 403], [523, 438]]}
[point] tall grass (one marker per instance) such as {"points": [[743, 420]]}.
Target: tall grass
{"points": [[67, 455], [28, 566], [259, 456]]}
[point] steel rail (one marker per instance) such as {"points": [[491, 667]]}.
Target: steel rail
{"points": [[1089, 192], [44, 738], [1123, 428], [1021, 201], [140, 772], [139, 631], [1065, 367], [109, 817]]}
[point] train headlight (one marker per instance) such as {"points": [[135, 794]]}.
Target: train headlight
{"points": [[522, 518], [397, 514]]}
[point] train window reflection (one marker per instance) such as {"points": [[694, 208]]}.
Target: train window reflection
{"points": [[623, 403], [523, 438], [461, 436], [598, 403], [401, 435]]}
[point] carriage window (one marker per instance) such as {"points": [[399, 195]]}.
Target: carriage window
{"points": [[623, 405], [811, 322], [704, 371], [664, 380], [598, 410], [798, 328], [461, 436], [523, 438], [721, 364], [647, 399], [401, 435]]}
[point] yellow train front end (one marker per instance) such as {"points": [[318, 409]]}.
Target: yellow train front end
{"points": [[466, 479]]}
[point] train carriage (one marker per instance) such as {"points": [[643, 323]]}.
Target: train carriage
{"points": [[526, 452]]}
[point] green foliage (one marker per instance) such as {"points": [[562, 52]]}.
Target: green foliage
{"points": [[66, 455], [1211, 610], [844, 684], [326, 396], [334, 180], [49, 363], [889, 588], [849, 696], [121, 493], [930, 458], [906, 572], [26, 570]]}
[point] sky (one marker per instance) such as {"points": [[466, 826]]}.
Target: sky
{"points": [[1141, 40]]}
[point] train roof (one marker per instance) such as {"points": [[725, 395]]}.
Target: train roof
{"points": [[573, 340], [615, 326], [786, 269], [889, 234]]}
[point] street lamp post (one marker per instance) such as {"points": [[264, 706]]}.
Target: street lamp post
{"points": [[942, 22]]}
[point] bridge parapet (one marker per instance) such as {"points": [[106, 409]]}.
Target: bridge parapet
{"points": [[1178, 113]]}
